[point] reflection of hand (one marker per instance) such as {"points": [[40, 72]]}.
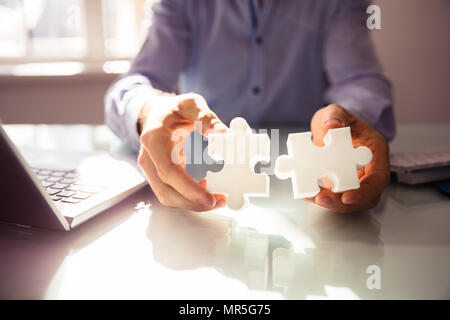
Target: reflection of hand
{"points": [[166, 122], [325, 228], [183, 240], [373, 178]]}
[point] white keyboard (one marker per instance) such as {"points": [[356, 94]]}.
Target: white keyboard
{"points": [[421, 166]]}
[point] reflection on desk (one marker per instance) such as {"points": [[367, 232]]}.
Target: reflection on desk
{"points": [[339, 258]]}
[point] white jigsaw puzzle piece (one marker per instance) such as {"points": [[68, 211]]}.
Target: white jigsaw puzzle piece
{"points": [[240, 150], [337, 161]]}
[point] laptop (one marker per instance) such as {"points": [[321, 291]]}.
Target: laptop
{"points": [[59, 190]]}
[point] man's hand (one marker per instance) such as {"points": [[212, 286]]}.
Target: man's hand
{"points": [[373, 178], [166, 121]]}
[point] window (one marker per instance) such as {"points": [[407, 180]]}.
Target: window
{"points": [[41, 28], [88, 31], [124, 23], [12, 33]]}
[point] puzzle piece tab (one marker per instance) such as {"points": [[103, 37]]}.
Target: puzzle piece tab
{"points": [[240, 150], [337, 161]]}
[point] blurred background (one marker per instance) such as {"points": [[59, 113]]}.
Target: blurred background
{"points": [[58, 57]]}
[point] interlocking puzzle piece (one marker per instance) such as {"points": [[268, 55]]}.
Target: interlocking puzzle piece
{"points": [[240, 150], [337, 161]]}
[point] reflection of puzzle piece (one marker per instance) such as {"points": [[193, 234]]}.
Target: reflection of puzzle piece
{"points": [[287, 265], [240, 150], [337, 161], [282, 267]]}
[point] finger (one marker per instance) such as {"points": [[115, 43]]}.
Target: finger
{"points": [[327, 184], [371, 186], [332, 201], [181, 181], [327, 199], [165, 194], [194, 108], [376, 176], [311, 200], [215, 127], [221, 199], [173, 174]]}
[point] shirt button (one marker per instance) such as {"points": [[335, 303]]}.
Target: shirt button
{"points": [[258, 40], [256, 90]]}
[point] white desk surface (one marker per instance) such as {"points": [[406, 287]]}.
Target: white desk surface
{"points": [[277, 248]]}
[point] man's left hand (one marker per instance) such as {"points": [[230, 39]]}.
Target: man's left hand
{"points": [[373, 178]]}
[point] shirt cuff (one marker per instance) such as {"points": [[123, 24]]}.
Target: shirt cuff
{"points": [[132, 115], [380, 118], [135, 99]]}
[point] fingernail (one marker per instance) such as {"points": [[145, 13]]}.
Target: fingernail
{"points": [[207, 202], [325, 201], [333, 122], [220, 126], [220, 203]]}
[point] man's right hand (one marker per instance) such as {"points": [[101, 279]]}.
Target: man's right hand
{"points": [[166, 121]]}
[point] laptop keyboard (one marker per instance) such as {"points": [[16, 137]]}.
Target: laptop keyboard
{"points": [[65, 186], [421, 166]]}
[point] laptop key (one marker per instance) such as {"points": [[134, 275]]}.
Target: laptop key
{"points": [[52, 191], [58, 173], [59, 185], [71, 175], [66, 193], [53, 179], [67, 180], [47, 184], [74, 187], [55, 198], [82, 195], [41, 177], [70, 200], [45, 172]]}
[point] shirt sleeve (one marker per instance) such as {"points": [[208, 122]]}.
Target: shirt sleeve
{"points": [[157, 66], [354, 74]]}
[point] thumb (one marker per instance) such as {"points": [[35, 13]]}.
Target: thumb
{"points": [[211, 125], [195, 108], [330, 117]]}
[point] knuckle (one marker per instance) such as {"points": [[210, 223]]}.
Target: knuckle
{"points": [[154, 136], [141, 159], [188, 101], [164, 200], [334, 107], [145, 135], [384, 146]]}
